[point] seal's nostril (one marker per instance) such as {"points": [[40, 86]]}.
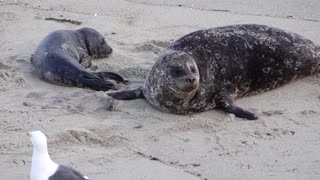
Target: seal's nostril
{"points": [[191, 80]]}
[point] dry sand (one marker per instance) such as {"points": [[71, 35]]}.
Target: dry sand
{"points": [[108, 139]]}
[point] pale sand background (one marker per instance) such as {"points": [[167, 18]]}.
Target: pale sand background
{"points": [[116, 143]]}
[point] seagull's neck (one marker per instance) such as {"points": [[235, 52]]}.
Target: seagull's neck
{"points": [[41, 155], [42, 165]]}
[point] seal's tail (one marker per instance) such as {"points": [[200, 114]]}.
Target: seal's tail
{"points": [[95, 82]]}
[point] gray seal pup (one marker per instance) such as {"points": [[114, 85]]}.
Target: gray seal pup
{"points": [[209, 68], [63, 55]]}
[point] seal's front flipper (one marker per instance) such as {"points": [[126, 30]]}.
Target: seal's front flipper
{"points": [[240, 113], [128, 94], [95, 82], [86, 61], [110, 75], [225, 103]]}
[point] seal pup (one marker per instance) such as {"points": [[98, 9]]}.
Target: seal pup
{"points": [[63, 55], [43, 167], [209, 68]]}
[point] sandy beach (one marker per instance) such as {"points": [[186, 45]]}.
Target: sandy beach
{"points": [[126, 140]]}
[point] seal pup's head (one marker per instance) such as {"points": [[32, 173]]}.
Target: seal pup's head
{"points": [[174, 78], [96, 44]]}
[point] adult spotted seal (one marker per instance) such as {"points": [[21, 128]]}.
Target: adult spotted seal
{"points": [[209, 68], [62, 56]]}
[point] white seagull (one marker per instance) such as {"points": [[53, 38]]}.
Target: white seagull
{"points": [[43, 168]]}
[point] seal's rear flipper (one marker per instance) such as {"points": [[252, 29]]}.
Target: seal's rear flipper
{"points": [[128, 94], [98, 84], [95, 82], [110, 75]]}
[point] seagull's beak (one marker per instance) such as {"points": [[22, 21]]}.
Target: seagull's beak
{"points": [[28, 133]]}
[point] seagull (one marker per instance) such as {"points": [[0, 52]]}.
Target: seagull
{"points": [[43, 168]]}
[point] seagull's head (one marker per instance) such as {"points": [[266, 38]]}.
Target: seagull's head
{"points": [[38, 140]]}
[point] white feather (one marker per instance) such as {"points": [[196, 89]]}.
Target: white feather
{"points": [[42, 166]]}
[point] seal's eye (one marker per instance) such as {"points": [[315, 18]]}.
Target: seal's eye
{"points": [[177, 71]]}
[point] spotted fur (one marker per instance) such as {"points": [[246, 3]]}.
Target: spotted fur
{"points": [[233, 61]]}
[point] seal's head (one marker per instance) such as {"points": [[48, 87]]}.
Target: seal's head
{"points": [[174, 78], [182, 74], [95, 43]]}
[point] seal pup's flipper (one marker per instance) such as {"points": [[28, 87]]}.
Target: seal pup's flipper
{"points": [[111, 75], [227, 105], [128, 94], [95, 82]]}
